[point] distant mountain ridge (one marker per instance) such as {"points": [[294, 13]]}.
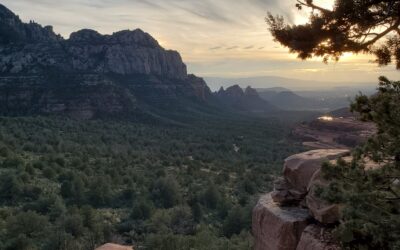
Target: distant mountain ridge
{"points": [[90, 75], [288, 100], [321, 101], [262, 82]]}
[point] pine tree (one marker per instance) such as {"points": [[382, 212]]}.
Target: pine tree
{"points": [[371, 197]]}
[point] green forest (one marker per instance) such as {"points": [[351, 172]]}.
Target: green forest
{"points": [[68, 184]]}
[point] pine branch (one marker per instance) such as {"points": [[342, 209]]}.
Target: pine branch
{"points": [[394, 27]]}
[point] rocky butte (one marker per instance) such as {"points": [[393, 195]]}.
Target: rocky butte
{"points": [[248, 100], [89, 75]]}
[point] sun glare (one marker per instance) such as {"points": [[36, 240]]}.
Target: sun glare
{"points": [[326, 118]]}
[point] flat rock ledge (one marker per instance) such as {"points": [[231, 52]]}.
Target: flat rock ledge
{"points": [[112, 246], [299, 169], [278, 228]]}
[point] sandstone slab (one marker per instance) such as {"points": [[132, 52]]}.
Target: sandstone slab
{"points": [[277, 228], [111, 246], [299, 169]]}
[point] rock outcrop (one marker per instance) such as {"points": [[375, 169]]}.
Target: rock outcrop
{"points": [[90, 75], [299, 169], [292, 216], [277, 227]]}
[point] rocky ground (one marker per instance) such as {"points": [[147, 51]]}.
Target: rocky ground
{"points": [[329, 132]]}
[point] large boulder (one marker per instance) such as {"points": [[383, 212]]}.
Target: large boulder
{"points": [[299, 169], [321, 210], [317, 238], [277, 228]]}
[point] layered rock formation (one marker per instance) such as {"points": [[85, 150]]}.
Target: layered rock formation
{"points": [[292, 217], [88, 75], [248, 100]]}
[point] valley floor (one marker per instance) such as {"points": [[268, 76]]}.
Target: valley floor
{"points": [[68, 184]]}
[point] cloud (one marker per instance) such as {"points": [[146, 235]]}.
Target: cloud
{"points": [[216, 48], [249, 47], [153, 4]]}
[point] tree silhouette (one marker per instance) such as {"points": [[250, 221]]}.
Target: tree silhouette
{"points": [[367, 26]]}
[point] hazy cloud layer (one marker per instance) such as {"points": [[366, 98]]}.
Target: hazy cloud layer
{"points": [[215, 37]]}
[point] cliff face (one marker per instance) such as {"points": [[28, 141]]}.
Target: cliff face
{"points": [[124, 52], [31, 48], [89, 74]]}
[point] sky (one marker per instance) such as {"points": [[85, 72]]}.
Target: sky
{"points": [[216, 38]]}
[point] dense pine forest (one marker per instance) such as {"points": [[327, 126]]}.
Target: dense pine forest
{"points": [[68, 184]]}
